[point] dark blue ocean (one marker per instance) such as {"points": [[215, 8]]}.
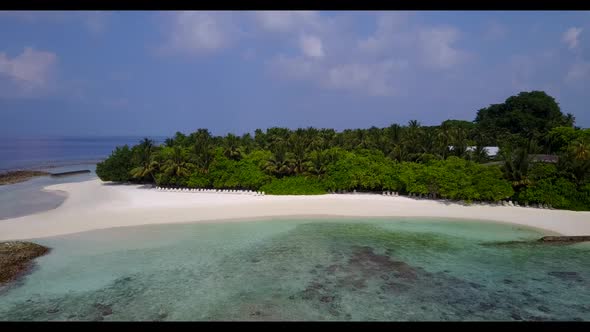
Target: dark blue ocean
{"points": [[53, 154], [40, 152]]}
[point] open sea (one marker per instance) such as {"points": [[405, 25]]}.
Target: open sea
{"points": [[39, 152], [52, 154]]}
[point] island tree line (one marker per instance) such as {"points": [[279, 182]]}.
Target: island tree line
{"points": [[543, 158]]}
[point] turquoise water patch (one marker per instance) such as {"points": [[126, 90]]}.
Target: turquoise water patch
{"points": [[402, 269]]}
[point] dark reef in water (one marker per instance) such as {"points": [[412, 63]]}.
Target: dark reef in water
{"points": [[16, 259], [546, 240], [19, 176], [564, 239], [70, 173]]}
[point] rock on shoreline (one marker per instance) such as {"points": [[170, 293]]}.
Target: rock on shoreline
{"points": [[16, 258], [19, 176]]}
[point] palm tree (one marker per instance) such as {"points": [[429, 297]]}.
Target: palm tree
{"points": [[146, 145], [479, 154], [248, 143], [169, 142], [324, 139], [444, 138], [414, 124], [517, 161], [279, 164], [177, 165], [232, 148], [179, 138], [411, 138], [276, 135], [577, 161], [202, 150], [317, 164], [580, 150], [298, 144], [260, 139], [428, 143], [147, 163], [399, 153]]}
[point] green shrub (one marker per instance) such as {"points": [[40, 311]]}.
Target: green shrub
{"points": [[198, 180], [295, 185], [117, 166]]}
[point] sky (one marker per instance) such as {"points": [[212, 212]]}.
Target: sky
{"points": [[155, 73]]}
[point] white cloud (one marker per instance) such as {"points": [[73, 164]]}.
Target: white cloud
{"points": [[372, 65], [437, 48], [432, 47], [571, 37], [311, 46], [286, 21], [200, 32], [389, 33], [30, 71], [374, 79], [297, 68]]}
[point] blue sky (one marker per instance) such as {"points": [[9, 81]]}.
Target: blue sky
{"points": [[153, 73]]}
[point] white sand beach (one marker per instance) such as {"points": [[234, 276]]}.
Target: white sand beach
{"points": [[94, 205]]}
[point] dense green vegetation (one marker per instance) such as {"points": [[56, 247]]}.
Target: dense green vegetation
{"points": [[543, 158]]}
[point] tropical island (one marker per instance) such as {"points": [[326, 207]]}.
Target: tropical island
{"points": [[117, 243], [541, 158]]}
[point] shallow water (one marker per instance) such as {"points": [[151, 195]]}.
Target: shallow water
{"points": [[323, 269], [28, 197]]}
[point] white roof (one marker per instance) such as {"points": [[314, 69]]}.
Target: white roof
{"points": [[491, 150]]}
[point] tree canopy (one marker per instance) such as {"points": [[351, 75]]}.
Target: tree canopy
{"points": [[528, 114], [445, 161]]}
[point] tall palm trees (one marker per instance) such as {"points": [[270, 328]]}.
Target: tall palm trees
{"points": [[279, 164], [298, 144], [202, 150], [479, 154], [317, 164], [580, 150], [145, 157], [517, 161], [459, 140], [577, 160], [444, 139], [177, 164], [232, 148]]}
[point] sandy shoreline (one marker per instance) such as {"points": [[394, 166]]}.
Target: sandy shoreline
{"points": [[94, 205]]}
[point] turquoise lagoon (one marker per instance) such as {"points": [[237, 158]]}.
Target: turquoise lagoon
{"points": [[402, 269]]}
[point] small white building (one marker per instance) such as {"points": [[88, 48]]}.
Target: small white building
{"points": [[491, 150]]}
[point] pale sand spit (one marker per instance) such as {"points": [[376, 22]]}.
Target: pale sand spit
{"points": [[95, 204]]}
